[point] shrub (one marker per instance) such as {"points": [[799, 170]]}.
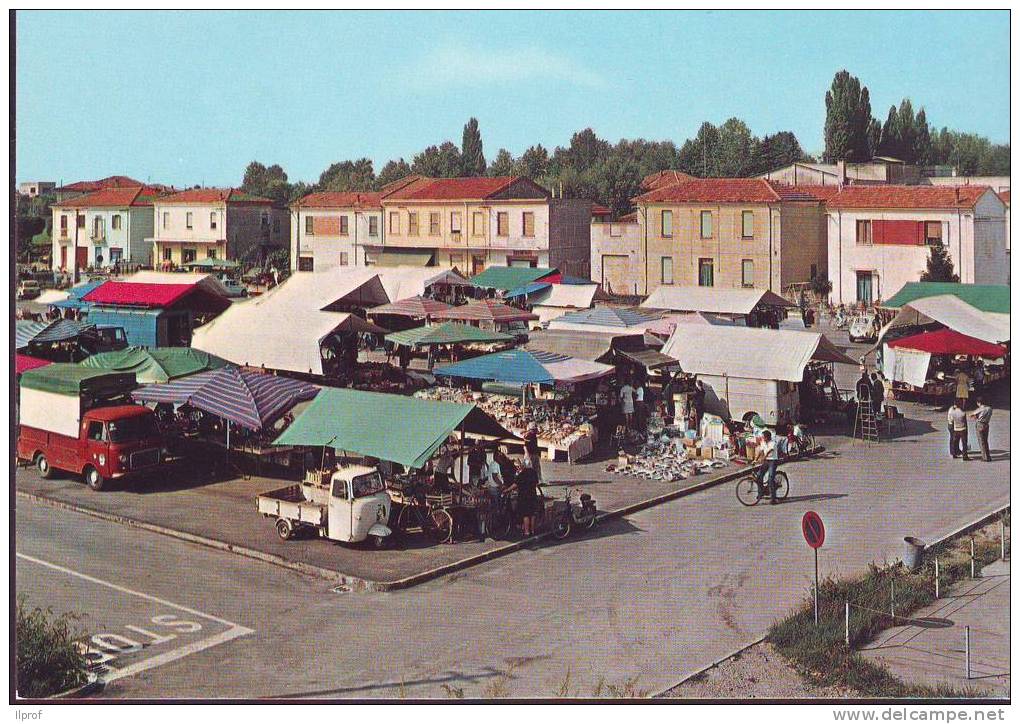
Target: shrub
{"points": [[50, 659]]}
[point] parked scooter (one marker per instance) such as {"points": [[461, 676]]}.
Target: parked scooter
{"points": [[581, 515]]}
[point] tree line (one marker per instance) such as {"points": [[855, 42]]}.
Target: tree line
{"points": [[610, 174]]}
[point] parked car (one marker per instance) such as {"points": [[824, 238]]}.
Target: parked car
{"points": [[29, 289], [234, 288], [864, 328]]}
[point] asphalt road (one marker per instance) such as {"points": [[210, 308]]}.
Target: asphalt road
{"points": [[649, 598]]}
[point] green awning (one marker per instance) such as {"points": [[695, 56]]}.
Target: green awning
{"points": [[65, 378], [161, 364], [985, 297], [448, 333], [396, 428], [411, 257], [506, 278]]}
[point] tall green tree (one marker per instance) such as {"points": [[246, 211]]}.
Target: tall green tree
{"points": [[441, 161], [534, 163], [847, 120], [776, 151], [348, 176], [503, 165], [270, 181], [471, 155], [392, 171], [940, 266], [889, 141], [735, 150]]}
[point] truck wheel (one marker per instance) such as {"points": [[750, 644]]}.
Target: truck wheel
{"points": [[43, 466], [284, 529], [93, 479]]}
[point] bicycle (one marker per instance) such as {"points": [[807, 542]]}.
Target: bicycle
{"points": [[429, 514], [750, 492]]}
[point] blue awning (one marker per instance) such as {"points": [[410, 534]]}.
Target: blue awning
{"points": [[527, 290], [524, 366]]}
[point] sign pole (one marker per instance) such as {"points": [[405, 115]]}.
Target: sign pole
{"points": [[816, 586]]}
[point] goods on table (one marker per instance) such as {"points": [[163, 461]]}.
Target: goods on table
{"points": [[667, 457]]}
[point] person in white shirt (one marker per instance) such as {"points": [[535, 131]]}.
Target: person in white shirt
{"points": [[639, 405], [768, 457], [957, 431], [627, 403]]}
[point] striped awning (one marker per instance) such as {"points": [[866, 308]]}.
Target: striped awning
{"points": [[246, 398], [57, 330], [488, 310], [414, 307]]}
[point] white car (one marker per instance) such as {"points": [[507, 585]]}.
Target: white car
{"points": [[234, 288], [864, 328]]}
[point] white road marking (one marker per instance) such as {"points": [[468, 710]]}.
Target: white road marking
{"points": [[233, 631]]}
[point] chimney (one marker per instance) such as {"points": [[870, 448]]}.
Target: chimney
{"points": [[841, 172]]}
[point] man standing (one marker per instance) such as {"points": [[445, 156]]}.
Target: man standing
{"points": [[982, 417], [627, 404], [962, 388], [957, 432], [877, 392]]}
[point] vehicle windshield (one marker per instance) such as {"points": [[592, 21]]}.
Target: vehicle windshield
{"points": [[133, 428], [367, 484]]}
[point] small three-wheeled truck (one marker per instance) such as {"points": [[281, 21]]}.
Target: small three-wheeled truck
{"points": [[349, 506]]}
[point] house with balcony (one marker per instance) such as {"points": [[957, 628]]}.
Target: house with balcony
{"points": [[718, 232], [880, 237], [213, 223], [474, 223], [332, 229], [103, 229]]}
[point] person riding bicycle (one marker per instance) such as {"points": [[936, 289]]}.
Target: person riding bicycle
{"points": [[768, 457]]}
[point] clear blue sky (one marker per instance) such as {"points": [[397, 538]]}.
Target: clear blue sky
{"points": [[192, 97]]}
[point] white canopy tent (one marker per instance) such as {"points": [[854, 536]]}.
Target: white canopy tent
{"points": [[406, 282], [284, 328], [712, 299], [954, 313], [558, 299], [762, 354]]}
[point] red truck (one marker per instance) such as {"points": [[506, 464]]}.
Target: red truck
{"points": [[77, 419]]}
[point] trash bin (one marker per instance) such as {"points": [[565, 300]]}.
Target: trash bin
{"points": [[912, 550]]}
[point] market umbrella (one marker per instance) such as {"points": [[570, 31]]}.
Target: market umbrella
{"points": [[246, 398], [161, 364], [446, 333], [23, 363], [525, 366], [486, 310], [414, 307], [948, 341]]}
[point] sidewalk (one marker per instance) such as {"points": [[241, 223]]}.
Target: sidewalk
{"points": [[932, 650]]}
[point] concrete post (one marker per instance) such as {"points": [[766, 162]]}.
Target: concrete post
{"points": [[1002, 539], [936, 578], [846, 623], [971, 557], [966, 645]]}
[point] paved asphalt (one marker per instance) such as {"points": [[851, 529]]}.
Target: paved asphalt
{"points": [[654, 596]]}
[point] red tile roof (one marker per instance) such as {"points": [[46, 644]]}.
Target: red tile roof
{"points": [[712, 191], [664, 178], [113, 197], [137, 294], [109, 182], [453, 189], [1004, 195], [341, 200], [907, 197], [599, 210], [213, 196], [626, 218]]}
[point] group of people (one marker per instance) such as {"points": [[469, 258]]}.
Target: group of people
{"points": [[957, 427], [871, 390]]}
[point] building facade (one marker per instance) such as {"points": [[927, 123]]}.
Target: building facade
{"points": [[103, 229], [333, 229], [616, 259], [31, 189], [877, 171], [80, 188], [880, 237], [208, 223], [718, 232]]}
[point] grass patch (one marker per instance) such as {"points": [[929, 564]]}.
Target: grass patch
{"points": [[50, 658], [819, 652]]}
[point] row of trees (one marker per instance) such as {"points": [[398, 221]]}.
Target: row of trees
{"points": [[852, 133], [610, 174]]}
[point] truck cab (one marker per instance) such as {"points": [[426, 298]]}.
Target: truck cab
{"points": [[359, 505]]}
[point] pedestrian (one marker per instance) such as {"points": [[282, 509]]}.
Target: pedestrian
{"points": [[877, 392], [957, 421], [476, 463], [404, 357], [627, 404], [526, 485], [532, 454], [982, 418], [699, 402], [962, 388], [863, 390], [639, 405]]}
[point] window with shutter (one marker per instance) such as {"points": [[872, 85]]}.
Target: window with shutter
{"points": [[434, 223], [529, 223], [412, 223]]}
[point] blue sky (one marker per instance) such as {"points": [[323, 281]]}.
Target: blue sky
{"points": [[192, 97]]}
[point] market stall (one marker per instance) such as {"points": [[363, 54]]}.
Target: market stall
{"points": [[555, 392], [407, 313], [606, 319], [925, 364], [490, 314], [162, 364], [458, 339], [754, 307]]}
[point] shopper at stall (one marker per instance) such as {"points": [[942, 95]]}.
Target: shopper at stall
{"points": [[527, 499], [640, 413], [627, 404], [957, 432], [532, 454], [476, 463], [698, 400], [962, 388], [982, 419], [877, 392]]}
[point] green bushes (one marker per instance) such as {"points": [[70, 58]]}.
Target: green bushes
{"points": [[49, 658]]}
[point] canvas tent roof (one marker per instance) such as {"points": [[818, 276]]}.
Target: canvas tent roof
{"points": [[525, 366], [506, 278], [161, 364], [24, 363], [486, 310], [954, 313], [363, 423], [66, 378], [578, 296], [207, 281], [414, 307], [946, 341], [667, 324], [404, 282], [651, 359], [712, 299], [763, 354], [283, 329], [447, 333], [984, 297]]}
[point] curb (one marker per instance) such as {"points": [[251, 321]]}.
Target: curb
{"points": [[982, 521], [92, 686], [367, 584], [717, 662]]}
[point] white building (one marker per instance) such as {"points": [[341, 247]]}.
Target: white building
{"points": [[103, 228], [880, 237], [331, 229]]}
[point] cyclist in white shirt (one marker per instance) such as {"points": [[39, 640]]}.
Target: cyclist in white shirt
{"points": [[768, 457]]}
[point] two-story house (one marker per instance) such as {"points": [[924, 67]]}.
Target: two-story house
{"points": [[473, 223], [880, 237], [724, 232], [103, 228], [211, 223], [332, 229], [80, 188]]}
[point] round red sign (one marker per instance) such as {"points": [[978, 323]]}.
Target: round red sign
{"points": [[813, 528]]}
